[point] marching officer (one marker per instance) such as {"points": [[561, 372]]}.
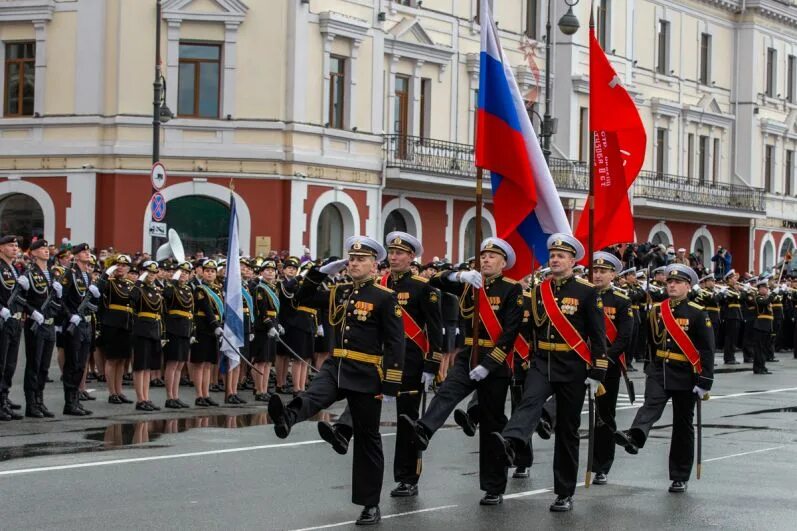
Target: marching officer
{"points": [[566, 313], [116, 322], [266, 327], [12, 304], [761, 342], [147, 304], [682, 370], [178, 305], [44, 306], [80, 300], [486, 370], [366, 366], [420, 304], [618, 318], [209, 304]]}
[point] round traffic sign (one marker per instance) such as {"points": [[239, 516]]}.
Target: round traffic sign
{"points": [[158, 175], [158, 207]]}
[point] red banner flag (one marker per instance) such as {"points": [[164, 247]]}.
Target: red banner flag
{"points": [[619, 151]]}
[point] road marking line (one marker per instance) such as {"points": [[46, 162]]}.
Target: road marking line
{"points": [[744, 453], [640, 401], [533, 492], [385, 517]]}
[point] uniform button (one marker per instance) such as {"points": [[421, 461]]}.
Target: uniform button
{"points": [[552, 336], [349, 314], [356, 292], [348, 328], [345, 340]]}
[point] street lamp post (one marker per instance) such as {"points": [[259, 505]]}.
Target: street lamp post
{"points": [[160, 112], [568, 25]]}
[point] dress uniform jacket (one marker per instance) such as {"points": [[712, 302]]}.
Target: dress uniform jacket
{"points": [[266, 306], [762, 311], [731, 305], [178, 301], [670, 366], [148, 306], [294, 314], [207, 317], [369, 332], [617, 308], [115, 307], [8, 281], [38, 294]]}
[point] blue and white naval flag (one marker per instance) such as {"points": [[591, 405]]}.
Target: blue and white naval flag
{"points": [[233, 299]]}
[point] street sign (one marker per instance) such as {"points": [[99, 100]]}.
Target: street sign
{"points": [[157, 229], [158, 175], [158, 207]]}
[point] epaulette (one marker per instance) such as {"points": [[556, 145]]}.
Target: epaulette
{"points": [[420, 278], [620, 294], [509, 280], [385, 288], [696, 305], [585, 282]]}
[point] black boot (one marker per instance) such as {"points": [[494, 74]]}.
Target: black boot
{"points": [[502, 449], [276, 410], [32, 407], [40, 401], [463, 420], [71, 404], [9, 408], [420, 438], [624, 439], [5, 414], [370, 516], [332, 435]]}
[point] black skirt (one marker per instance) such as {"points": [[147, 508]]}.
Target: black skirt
{"points": [[263, 348], [177, 348], [146, 354], [205, 350], [116, 343], [299, 341]]}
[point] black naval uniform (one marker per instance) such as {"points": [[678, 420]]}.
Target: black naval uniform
{"points": [[506, 298], [367, 361], [77, 338], [558, 370], [761, 332], [178, 302], [731, 301], [206, 319], [710, 301], [524, 457], [11, 329], [39, 344], [671, 376], [147, 327], [267, 305], [617, 307], [297, 319], [116, 317], [638, 297]]}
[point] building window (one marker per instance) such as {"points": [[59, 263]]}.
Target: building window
{"points": [[330, 232], [475, 114], [426, 108], [583, 134], [469, 248], [702, 170], [603, 21], [20, 76], [395, 221], [663, 58], [690, 155], [769, 161], [337, 91], [789, 172], [199, 80], [21, 214], [792, 70], [716, 160], [531, 19], [705, 59], [661, 151], [772, 57]]}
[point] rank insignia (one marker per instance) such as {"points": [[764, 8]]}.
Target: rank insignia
{"points": [[433, 297], [397, 311]]}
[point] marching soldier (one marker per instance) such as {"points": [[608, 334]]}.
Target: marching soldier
{"points": [[420, 304], [637, 296], [147, 304], [367, 363], [761, 341], [12, 303], [266, 326], [80, 299], [682, 370], [777, 318], [116, 321], [44, 306], [178, 301], [209, 304], [731, 310], [567, 312], [487, 369], [618, 318]]}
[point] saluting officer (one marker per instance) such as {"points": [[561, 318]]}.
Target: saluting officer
{"points": [[366, 366], [420, 304], [266, 327], [147, 304], [682, 370], [44, 306], [178, 301], [486, 370], [80, 299], [566, 313], [618, 317], [116, 321]]}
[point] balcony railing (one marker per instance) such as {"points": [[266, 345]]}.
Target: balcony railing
{"points": [[451, 159]]}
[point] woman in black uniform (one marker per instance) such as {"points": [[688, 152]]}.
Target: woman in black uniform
{"points": [[147, 333], [266, 326], [178, 300], [116, 322], [209, 305]]}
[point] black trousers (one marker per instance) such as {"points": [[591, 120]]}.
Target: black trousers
{"points": [[762, 348], [731, 333], [748, 341], [9, 351], [38, 355], [491, 394], [605, 426], [682, 443], [369, 462], [569, 401], [77, 346]]}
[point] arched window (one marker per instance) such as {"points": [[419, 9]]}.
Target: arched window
{"points": [[470, 236], [330, 232], [768, 258], [203, 223], [395, 221], [21, 216], [786, 246], [660, 237], [703, 248]]}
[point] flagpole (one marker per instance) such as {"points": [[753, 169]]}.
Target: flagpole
{"points": [[591, 192], [474, 354]]}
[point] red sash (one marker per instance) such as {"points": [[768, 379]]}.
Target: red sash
{"points": [[494, 329], [611, 335], [679, 336], [411, 328], [562, 325]]}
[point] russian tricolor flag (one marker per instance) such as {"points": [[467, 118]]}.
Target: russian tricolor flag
{"points": [[526, 204]]}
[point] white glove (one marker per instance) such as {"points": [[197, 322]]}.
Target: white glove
{"points": [[696, 288], [58, 289], [143, 276], [95, 292], [593, 383], [218, 331], [700, 392], [37, 317], [479, 373], [273, 333], [251, 337], [111, 269], [335, 267], [24, 283], [5, 314], [427, 379], [387, 399], [87, 318], [320, 331], [75, 319], [281, 330], [176, 275], [458, 332], [474, 278]]}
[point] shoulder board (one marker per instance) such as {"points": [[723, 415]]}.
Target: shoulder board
{"points": [[656, 304], [342, 284], [620, 295], [383, 288], [420, 278], [696, 305], [509, 280], [527, 294], [585, 282]]}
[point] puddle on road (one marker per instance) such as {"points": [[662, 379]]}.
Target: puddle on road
{"points": [[791, 409], [728, 370]]}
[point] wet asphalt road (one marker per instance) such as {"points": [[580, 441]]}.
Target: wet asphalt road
{"points": [[224, 468]]}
